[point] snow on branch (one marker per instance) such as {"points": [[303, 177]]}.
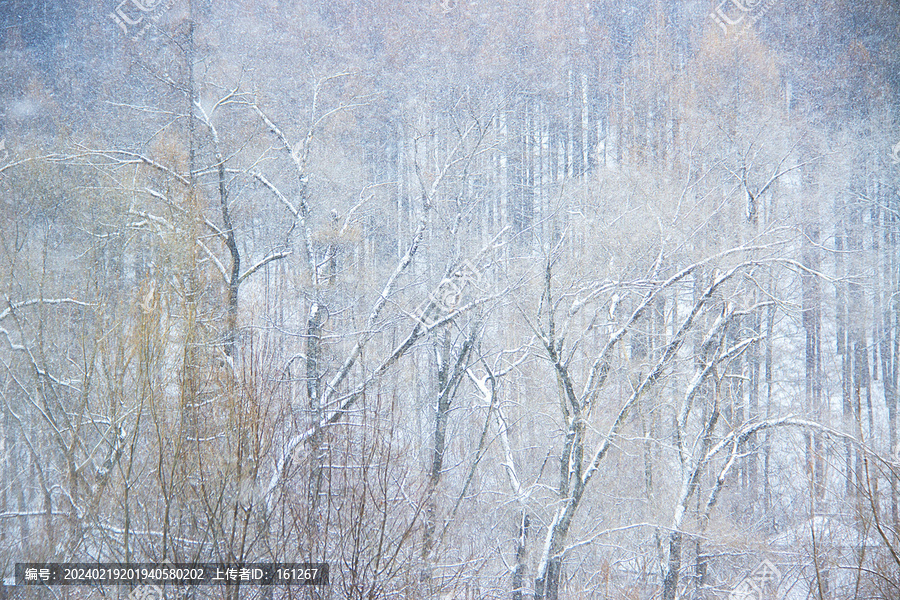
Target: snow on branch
{"points": [[262, 263], [13, 306]]}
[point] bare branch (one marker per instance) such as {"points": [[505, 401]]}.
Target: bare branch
{"points": [[262, 263]]}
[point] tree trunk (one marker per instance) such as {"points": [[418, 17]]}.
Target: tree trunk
{"points": [[812, 320], [448, 378], [521, 551], [670, 583]]}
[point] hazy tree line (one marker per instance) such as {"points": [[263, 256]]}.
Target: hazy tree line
{"points": [[468, 299]]}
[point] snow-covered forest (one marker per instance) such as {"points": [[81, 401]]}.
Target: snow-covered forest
{"points": [[470, 299]]}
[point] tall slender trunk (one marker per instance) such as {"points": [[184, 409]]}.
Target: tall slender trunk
{"points": [[890, 344], [670, 582], [518, 582], [767, 452], [437, 455], [753, 405], [449, 374], [812, 322], [234, 277]]}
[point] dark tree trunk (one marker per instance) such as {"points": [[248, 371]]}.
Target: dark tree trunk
{"points": [[670, 583], [812, 322], [521, 548]]}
